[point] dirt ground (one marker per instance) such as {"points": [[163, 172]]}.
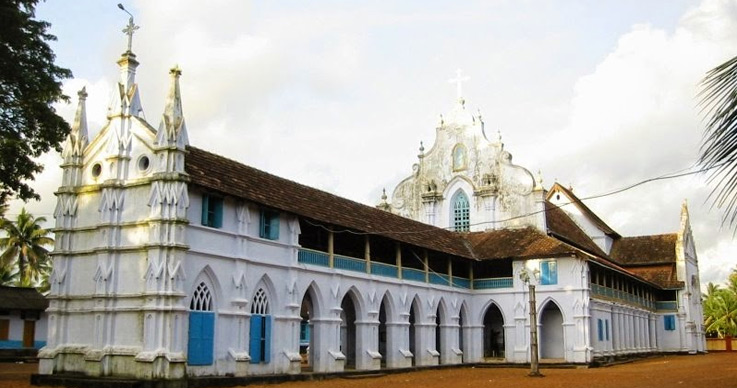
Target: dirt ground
{"points": [[715, 370]]}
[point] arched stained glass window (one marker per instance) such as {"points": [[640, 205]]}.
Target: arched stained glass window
{"points": [[461, 219]]}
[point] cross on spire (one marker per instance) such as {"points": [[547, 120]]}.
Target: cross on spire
{"points": [[129, 29], [458, 80]]}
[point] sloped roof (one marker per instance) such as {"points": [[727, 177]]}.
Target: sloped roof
{"points": [[227, 176], [517, 243], [562, 226], [584, 209], [22, 298], [645, 250], [663, 275]]}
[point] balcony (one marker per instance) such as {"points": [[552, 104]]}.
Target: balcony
{"points": [[322, 259], [492, 283], [625, 297]]}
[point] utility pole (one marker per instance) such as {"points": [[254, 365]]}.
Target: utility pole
{"points": [[534, 362]]}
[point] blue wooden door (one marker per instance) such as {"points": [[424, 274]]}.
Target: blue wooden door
{"points": [[201, 333], [260, 339]]}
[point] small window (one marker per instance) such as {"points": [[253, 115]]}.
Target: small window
{"points": [[269, 224], [600, 327], [669, 322], [606, 328], [459, 157], [461, 217], [212, 211], [548, 272]]}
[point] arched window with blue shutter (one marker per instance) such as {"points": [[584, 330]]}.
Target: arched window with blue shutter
{"points": [[460, 211], [260, 332], [201, 327]]}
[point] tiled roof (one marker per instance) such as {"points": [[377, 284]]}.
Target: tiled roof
{"points": [[22, 298], [227, 176], [663, 275], [562, 226], [565, 237], [517, 243], [585, 209], [644, 250]]}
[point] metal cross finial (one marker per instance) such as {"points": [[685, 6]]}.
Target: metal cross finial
{"points": [[459, 79], [129, 29]]}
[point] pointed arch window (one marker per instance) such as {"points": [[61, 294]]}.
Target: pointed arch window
{"points": [[459, 157], [201, 327], [461, 212], [260, 332]]}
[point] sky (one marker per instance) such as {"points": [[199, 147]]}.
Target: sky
{"points": [[338, 94]]}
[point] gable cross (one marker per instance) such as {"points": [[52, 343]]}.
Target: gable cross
{"points": [[458, 80]]}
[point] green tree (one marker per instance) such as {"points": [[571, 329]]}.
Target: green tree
{"points": [[24, 247], [30, 83], [720, 308], [719, 146]]}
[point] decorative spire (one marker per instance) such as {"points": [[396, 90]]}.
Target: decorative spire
{"points": [[384, 205], [126, 100], [77, 138], [539, 180], [173, 130]]}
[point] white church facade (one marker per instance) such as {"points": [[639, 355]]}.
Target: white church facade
{"points": [[172, 262]]}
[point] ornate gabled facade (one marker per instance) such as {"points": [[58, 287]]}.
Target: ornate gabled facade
{"points": [[467, 182], [173, 263]]}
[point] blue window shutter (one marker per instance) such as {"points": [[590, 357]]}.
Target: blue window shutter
{"points": [[553, 272], [218, 221], [201, 334], [544, 272], [208, 334], [267, 338], [262, 225], [205, 208], [274, 226], [600, 325], [255, 339], [670, 322], [606, 329], [193, 345]]}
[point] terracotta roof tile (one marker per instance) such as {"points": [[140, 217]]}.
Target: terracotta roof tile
{"points": [[227, 176], [663, 275], [517, 243], [22, 298], [657, 249], [562, 226]]}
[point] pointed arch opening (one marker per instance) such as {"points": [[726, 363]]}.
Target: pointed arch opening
{"points": [[440, 327], [384, 314], [493, 332], [462, 319], [414, 321], [552, 341], [308, 311], [460, 212], [348, 329]]}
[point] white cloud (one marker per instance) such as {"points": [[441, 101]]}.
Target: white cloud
{"points": [[338, 96]]}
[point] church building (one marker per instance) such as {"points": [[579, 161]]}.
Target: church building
{"points": [[172, 262]]}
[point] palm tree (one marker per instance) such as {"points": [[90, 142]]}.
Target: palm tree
{"points": [[719, 147], [23, 244]]}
